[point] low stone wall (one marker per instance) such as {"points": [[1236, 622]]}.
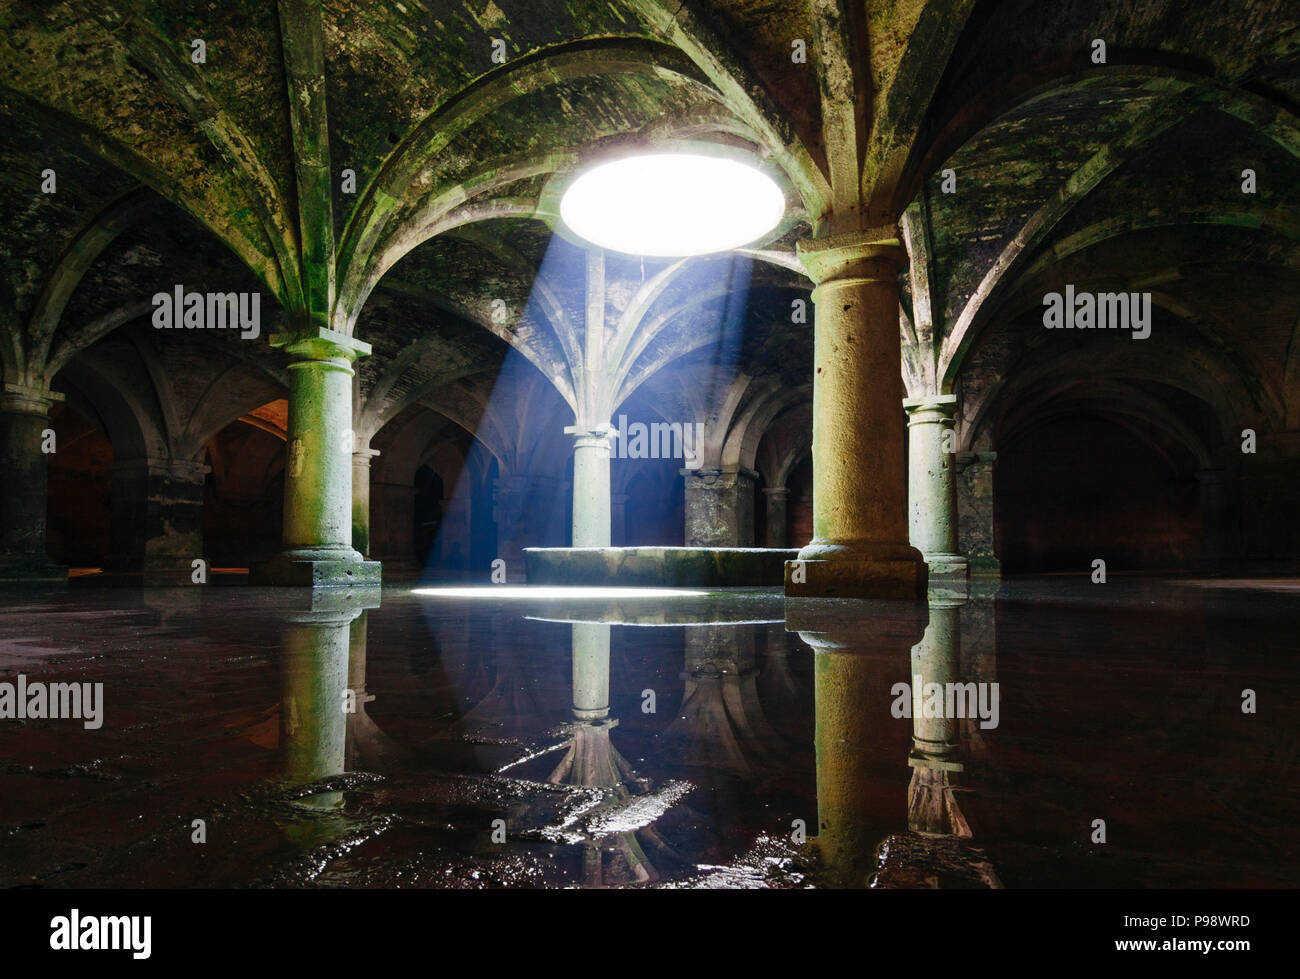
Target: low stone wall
{"points": [[713, 567]]}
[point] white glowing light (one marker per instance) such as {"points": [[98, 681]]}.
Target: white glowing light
{"points": [[552, 591], [672, 204]]}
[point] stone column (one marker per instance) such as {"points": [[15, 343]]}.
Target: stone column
{"points": [[775, 499], [932, 486], [174, 523], [318, 547], [362, 453], [975, 532], [859, 545], [1216, 530], [719, 507], [157, 522], [591, 488], [24, 417]]}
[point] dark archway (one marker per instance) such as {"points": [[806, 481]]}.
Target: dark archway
{"points": [[1081, 487], [243, 499], [79, 515]]}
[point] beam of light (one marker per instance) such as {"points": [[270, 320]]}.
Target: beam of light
{"points": [[672, 205], [553, 591]]}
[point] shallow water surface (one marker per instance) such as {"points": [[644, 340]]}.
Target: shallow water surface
{"points": [[261, 737]]}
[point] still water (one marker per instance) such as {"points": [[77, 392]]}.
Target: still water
{"points": [[1031, 733]]}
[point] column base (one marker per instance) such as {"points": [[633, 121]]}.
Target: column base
{"points": [[901, 578], [36, 571], [317, 569], [947, 565]]}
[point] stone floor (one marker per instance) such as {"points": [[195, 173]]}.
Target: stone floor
{"points": [[366, 739]]}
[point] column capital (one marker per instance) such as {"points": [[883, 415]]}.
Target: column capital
{"points": [[931, 401], [28, 399], [931, 409], [777, 491], [591, 436], [321, 344], [184, 470], [876, 253]]}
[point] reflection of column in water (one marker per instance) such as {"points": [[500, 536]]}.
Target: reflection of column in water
{"points": [[367, 746], [590, 670], [721, 724], [858, 647], [931, 807], [314, 653], [592, 761], [979, 655]]}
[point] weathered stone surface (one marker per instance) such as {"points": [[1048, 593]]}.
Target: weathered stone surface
{"points": [[713, 567]]}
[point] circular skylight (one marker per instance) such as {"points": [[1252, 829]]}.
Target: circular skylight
{"points": [[672, 204]]}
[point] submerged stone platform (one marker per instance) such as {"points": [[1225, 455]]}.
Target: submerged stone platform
{"points": [[713, 567]]}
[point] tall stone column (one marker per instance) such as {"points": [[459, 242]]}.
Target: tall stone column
{"points": [[24, 417], [932, 486], [775, 499], [157, 522], [975, 531], [719, 507], [591, 488], [318, 549], [859, 545], [362, 453], [1216, 531], [174, 523]]}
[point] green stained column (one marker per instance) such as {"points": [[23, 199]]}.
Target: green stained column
{"points": [[318, 548], [932, 487], [860, 545], [313, 724], [24, 417], [316, 673]]}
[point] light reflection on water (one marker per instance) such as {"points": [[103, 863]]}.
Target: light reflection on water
{"points": [[685, 740]]}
